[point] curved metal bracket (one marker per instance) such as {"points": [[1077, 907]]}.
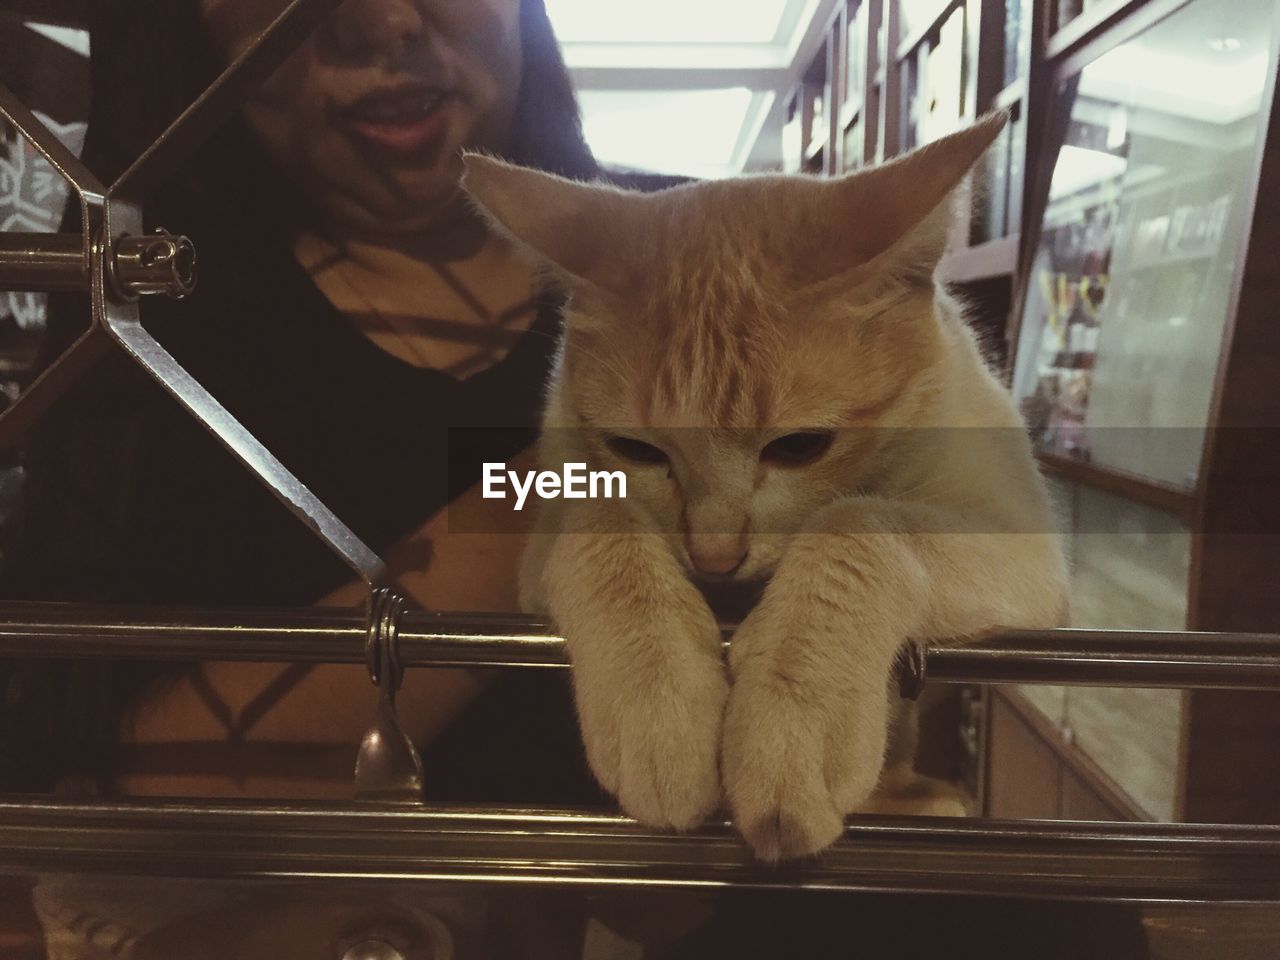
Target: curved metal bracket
{"points": [[912, 668], [388, 768]]}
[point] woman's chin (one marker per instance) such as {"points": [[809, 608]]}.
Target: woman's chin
{"points": [[418, 211]]}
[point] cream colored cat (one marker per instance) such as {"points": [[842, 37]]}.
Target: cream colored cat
{"points": [[792, 398]]}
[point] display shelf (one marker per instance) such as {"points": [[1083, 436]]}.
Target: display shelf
{"points": [[1156, 218], [850, 114], [817, 144], [1173, 500], [1095, 20], [1010, 95]]}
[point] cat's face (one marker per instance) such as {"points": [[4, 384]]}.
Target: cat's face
{"points": [[735, 406], [729, 344]]}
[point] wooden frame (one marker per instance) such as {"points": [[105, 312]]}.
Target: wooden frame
{"points": [[989, 265]]}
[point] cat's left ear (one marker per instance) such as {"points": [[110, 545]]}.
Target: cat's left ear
{"points": [[580, 230], [902, 206]]}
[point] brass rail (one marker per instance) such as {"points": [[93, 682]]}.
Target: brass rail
{"points": [[1088, 861], [334, 635]]}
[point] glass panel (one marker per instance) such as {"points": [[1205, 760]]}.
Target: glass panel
{"points": [[1129, 571], [1129, 563], [1130, 568], [1133, 737], [1141, 238]]}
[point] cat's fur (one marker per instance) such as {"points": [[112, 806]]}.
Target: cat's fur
{"points": [[770, 305]]}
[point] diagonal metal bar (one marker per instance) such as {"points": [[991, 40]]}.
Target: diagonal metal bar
{"points": [[211, 414], [1105, 862], [222, 98], [120, 319], [66, 163]]}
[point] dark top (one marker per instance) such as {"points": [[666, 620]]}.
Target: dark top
{"points": [[126, 499]]}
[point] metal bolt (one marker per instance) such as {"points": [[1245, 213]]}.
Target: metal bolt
{"points": [[157, 263], [372, 950]]}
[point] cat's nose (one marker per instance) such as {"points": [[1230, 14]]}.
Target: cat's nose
{"points": [[717, 553]]}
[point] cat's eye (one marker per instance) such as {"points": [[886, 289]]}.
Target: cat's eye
{"points": [[797, 449], [633, 450]]}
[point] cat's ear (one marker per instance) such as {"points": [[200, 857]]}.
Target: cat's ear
{"points": [[900, 209], [580, 230]]}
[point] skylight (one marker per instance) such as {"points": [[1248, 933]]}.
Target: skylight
{"points": [[666, 21], [694, 132]]}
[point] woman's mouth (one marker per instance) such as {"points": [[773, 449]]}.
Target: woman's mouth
{"points": [[401, 121]]}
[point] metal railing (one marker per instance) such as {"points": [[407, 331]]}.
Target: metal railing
{"points": [[1125, 658], [417, 842], [1089, 861], [115, 262]]}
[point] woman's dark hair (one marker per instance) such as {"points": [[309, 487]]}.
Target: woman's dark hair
{"points": [[151, 58]]}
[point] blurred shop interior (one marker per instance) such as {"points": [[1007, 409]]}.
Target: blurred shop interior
{"points": [[1115, 253]]}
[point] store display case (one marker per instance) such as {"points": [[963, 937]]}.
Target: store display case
{"points": [[1105, 256], [1147, 193], [904, 74]]}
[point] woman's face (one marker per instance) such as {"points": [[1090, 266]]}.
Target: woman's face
{"points": [[370, 113]]}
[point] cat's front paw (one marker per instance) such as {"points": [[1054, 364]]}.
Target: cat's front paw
{"points": [[652, 736], [802, 746]]}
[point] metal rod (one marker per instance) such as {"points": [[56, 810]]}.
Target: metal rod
{"points": [[1088, 861], [43, 262], [297, 497], [334, 635], [47, 262]]}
